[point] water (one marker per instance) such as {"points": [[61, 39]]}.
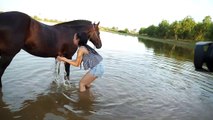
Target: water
{"points": [[143, 80]]}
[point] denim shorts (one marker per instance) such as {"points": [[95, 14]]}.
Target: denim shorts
{"points": [[98, 70]]}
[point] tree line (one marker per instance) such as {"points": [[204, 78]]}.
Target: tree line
{"points": [[46, 20], [186, 29]]}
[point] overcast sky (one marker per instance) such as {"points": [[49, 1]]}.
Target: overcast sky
{"points": [[132, 14]]}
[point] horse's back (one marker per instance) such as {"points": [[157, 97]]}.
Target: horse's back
{"points": [[13, 30], [14, 20]]}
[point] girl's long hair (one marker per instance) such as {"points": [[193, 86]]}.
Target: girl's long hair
{"points": [[83, 39]]}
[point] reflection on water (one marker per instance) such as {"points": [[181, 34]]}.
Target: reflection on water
{"points": [[169, 50], [143, 80], [54, 105]]}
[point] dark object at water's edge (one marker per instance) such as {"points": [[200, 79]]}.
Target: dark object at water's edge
{"points": [[203, 53]]}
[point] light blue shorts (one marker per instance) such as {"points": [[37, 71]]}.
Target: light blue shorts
{"points": [[98, 70]]}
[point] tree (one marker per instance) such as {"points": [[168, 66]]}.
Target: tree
{"points": [[199, 32], [142, 31], [115, 28], [210, 32], [151, 31], [207, 22], [175, 29], [187, 25], [126, 30], [163, 29], [37, 18]]}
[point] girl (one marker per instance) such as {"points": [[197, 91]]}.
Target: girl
{"points": [[90, 58]]}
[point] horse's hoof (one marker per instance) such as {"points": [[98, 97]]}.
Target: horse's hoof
{"points": [[66, 78]]}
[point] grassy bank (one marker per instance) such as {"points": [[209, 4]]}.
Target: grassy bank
{"points": [[180, 43]]}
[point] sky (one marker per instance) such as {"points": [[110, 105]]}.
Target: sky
{"points": [[131, 14]]}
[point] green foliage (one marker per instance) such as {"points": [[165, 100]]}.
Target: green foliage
{"points": [[174, 29], [122, 31], [114, 28], [151, 31], [207, 27], [199, 32], [37, 18], [209, 34], [126, 30], [141, 31], [163, 29], [184, 29], [46, 20], [187, 28]]}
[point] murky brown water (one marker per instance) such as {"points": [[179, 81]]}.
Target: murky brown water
{"points": [[143, 80]]}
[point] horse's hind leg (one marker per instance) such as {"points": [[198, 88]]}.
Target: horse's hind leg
{"points": [[4, 62], [67, 69]]}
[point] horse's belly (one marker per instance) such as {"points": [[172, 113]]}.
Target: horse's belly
{"points": [[41, 52]]}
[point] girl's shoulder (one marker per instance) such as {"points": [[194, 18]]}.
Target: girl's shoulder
{"points": [[83, 49]]}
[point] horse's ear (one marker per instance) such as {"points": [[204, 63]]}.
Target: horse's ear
{"points": [[98, 23]]}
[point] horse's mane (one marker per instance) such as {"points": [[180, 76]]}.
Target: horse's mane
{"points": [[75, 23]]}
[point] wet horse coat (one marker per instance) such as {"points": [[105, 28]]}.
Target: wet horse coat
{"points": [[19, 31]]}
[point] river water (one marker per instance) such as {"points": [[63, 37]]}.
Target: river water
{"points": [[143, 80]]}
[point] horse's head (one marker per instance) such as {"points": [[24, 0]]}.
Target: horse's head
{"points": [[94, 35], [92, 30]]}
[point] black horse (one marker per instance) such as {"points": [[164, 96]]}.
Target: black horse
{"points": [[19, 31]]}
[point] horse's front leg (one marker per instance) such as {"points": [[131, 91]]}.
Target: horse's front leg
{"points": [[4, 62], [67, 69]]}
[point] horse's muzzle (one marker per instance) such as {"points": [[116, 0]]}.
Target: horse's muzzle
{"points": [[99, 46]]}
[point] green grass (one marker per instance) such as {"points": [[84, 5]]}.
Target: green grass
{"points": [[181, 43]]}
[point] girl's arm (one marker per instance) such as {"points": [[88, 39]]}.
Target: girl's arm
{"points": [[76, 62]]}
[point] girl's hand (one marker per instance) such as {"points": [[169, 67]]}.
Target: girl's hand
{"points": [[61, 58]]}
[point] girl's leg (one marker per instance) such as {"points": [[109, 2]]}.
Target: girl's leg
{"points": [[88, 86], [86, 81]]}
